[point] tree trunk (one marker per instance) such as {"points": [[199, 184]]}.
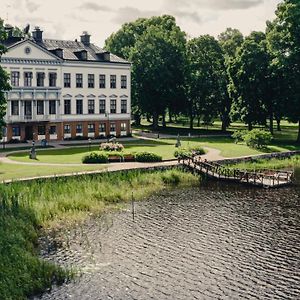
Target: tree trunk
{"points": [[148, 118], [278, 124], [250, 126], [155, 121], [137, 119], [164, 120], [271, 124], [224, 125], [298, 138], [191, 121], [170, 117]]}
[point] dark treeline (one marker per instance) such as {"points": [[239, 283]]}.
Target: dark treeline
{"points": [[253, 79]]}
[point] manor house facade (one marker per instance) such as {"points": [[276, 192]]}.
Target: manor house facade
{"points": [[64, 89]]}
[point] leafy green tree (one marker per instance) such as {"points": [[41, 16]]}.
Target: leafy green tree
{"points": [[156, 47], [205, 79], [249, 74], [284, 42], [230, 41], [4, 85]]}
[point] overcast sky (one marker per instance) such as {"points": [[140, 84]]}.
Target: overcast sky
{"points": [[66, 19]]}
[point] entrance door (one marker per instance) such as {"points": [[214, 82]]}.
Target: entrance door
{"points": [[28, 133]]}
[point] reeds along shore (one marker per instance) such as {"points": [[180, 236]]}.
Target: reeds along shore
{"points": [[273, 163], [26, 208]]}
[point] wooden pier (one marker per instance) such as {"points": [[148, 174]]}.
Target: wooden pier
{"points": [[263, 177]]}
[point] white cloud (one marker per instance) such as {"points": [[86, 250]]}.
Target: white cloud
{"points": [[67, 19]]}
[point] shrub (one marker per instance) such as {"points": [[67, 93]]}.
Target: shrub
{"points": [[257, 138], [182, 153], [238, 136], [197, 150], [111, 147], [147, 157], [95, 158], [191, 151]]}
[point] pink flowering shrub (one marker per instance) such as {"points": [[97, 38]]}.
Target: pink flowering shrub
{"points": [[111, 147]]}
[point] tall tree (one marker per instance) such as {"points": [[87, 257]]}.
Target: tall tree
{"points": [[230, 41], [284, 42], [249, 72], [156, 47], [4, 85], [205, 78]]}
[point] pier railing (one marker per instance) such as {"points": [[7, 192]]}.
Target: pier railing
{"points": [[263, 177]]}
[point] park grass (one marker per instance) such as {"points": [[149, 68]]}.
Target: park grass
{"points": [[273, 163], [164, 148], [18, 171], [28, 209]]}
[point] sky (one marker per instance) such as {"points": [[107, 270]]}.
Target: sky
{"points": [[67, 19]]}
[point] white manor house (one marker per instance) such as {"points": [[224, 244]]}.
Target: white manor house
{"points": [[64, 89]]}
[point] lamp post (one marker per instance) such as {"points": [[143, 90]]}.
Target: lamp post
{"points": [[108, 125]]}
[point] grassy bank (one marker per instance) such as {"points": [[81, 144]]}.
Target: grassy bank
{"points": [[274, 163], [26, 209]]}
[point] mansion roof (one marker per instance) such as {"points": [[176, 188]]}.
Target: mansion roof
{"points": [[70, 50]]}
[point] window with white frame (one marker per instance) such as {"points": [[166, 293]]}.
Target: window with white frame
{"points": [[112, 127], [52, 79], [102, 127], [27, 78], [91, 80], [113, 106], [123, 106], [79, 106], [67, 80], [67, 128], [15, 78], [39, 107], [52, 129], [67, 106], [14, 108], [91, 128], [91, 106], [79, 80], [123, 126], [113, 81], [16, 130], [102, 107], [102, 81], [52, 107], [123, 82], [40, 78], [79, 128]]}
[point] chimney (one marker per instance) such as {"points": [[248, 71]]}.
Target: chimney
{"points": [[85, 38], [9, 30], [37, 34]]}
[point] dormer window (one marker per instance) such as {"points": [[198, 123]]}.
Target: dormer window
{"points": [[82, 54]]}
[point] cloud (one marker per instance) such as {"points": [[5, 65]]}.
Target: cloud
{"points": [[95, 7], [128, 14], [192, 16], [31, 5], [215, 4]]}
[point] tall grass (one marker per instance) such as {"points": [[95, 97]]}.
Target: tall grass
{"points": [[274, 163], [26, 208]]}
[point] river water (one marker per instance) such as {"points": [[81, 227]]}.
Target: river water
{"points": [[216, 241]]}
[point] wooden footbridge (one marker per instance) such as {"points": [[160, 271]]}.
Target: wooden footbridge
{"points": [[264, 178]]}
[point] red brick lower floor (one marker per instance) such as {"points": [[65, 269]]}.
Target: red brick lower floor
{"points": [[66, 130]]}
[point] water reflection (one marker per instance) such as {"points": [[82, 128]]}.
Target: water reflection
{"points": [[217, 241]]}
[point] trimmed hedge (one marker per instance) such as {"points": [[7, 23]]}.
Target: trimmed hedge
{"points": [[95, 158], [191, 151], [147, 157]]}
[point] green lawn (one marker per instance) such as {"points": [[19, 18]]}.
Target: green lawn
{"points": [[165, 148], [13, 171]]}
